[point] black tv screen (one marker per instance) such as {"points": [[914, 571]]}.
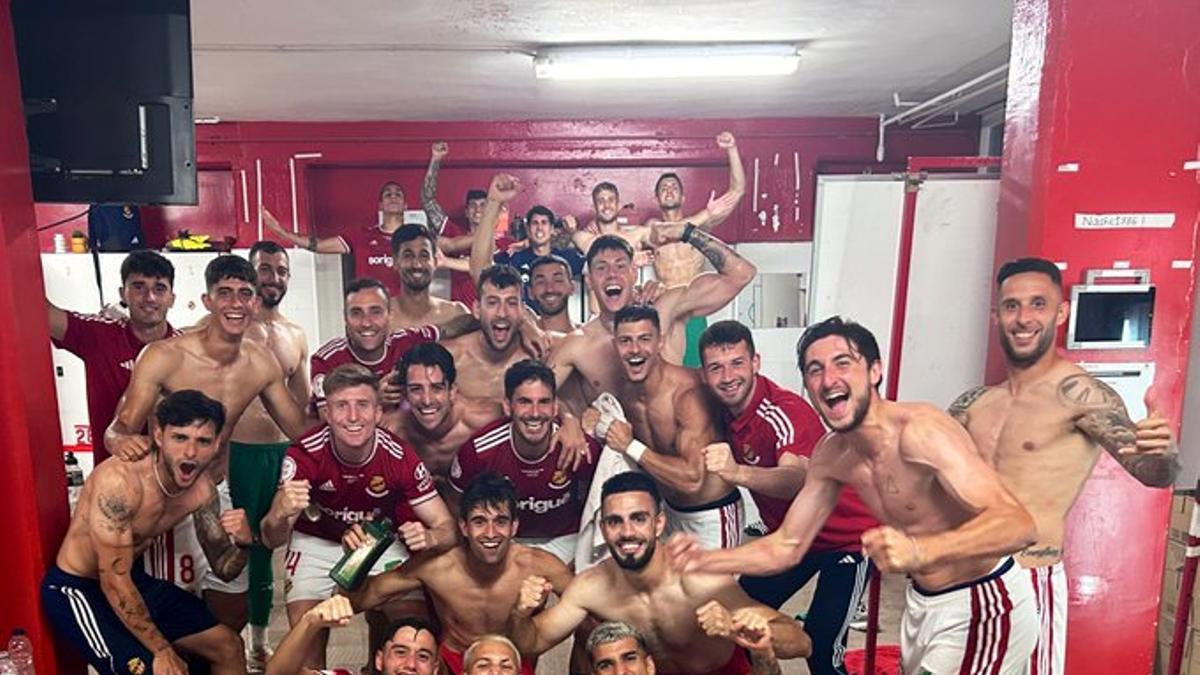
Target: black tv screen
{"points": [[107, 86]]}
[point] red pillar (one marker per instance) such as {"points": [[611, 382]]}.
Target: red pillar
{"points": [[1103, 112], [33, 501]]}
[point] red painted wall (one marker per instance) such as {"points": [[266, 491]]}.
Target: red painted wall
{"points": [[34, 503], [1109, 85], [559, 160]]}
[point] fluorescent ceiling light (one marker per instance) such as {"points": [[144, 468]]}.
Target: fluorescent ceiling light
{"points": [[664, 61]]}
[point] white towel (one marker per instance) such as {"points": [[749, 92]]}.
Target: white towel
{"points": [[590, 548]]}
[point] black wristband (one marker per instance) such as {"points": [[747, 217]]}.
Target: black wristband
{"points": [[254, 541], [312, 243], [688, 229]]}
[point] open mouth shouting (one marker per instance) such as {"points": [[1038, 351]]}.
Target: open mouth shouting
{"points": [[187, 470], [836, 403], [501, 333], [637, 367]]}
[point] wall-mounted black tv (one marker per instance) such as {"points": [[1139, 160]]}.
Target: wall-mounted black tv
{"points": [[107, 86]]}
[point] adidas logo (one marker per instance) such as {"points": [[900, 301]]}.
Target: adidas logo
{"points": [[327, 486], [847, 560], [127, 364]]}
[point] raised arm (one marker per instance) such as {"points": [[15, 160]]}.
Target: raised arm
{"points": [[779, 550], [782, 481], [291, 652], [483, 247], [214, 530], [383, 587], [719, 208], [1146, 449], [310, 242], [433, 209], [709, 291], [117, 497], [1000, 524], [535, 634], [124, 438], [683, 472], [435, 532], [788, 639], [291, 498]]}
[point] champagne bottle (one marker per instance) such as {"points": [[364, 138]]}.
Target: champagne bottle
{"points": [[354, 567]]}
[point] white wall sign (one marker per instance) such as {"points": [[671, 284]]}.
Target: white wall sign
{"points": [[1123, 221]]}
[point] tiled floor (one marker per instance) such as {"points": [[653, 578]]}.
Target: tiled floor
{"points": [[347, 646]]}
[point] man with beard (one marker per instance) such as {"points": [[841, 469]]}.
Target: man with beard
{"points": [[948, 521], [551, 285], [771, 434], [341, 474], [97, 596], [539, 224], [214, 359], [436, 420], [411, 647], [520, 445], [370, 244], [453, 239], [370, 343], [685, 618], [669, 425], [475, 585], [589, 351], [497, 346], [257, 445], [108, 346], [1043, 429], [414, 253]]}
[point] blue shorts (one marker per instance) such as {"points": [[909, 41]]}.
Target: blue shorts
{"points": [[79, 612]]}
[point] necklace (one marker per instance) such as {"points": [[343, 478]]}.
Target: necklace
{"points": [[162, 487]]}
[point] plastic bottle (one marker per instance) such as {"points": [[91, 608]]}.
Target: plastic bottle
{"points": [[74, 479], [20, 652], [6, 665]]}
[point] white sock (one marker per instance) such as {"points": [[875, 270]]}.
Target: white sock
{"points": [[258, 636]]}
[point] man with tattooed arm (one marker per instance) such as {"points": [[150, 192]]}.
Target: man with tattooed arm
{"points": [[1043, 429], [97, 595]]}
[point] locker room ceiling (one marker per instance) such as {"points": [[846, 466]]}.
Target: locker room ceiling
{"points": [[447, 59]]}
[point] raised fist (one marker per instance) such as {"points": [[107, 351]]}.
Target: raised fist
{"points": [[503, 187], [534, 591], [237, 526], [440, 150], [293, 497], [725, 140], [891, 550], [718, 459], [416, 536]]}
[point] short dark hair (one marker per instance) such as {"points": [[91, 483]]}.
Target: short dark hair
{"points": [[229, 266], [725, 333], [633, 313], [488, 489], [148, 264], [474, 194], [602, 186], [549, 259], [856, 335], [631, 481], [266, 246], [391, 182], [614, 631], [416, 623], [362, 284], [528, 370], [608, 242], [539, 210], [186, 407], [499, 275], [349, 375], [1022, 265], [665, 176], [409, 232], [430, 354]]}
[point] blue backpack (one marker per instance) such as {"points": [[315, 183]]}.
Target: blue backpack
{"points": [[115, 227]]}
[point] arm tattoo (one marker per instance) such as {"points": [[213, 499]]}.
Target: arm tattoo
{"points": [[117, 516], [226, 559], [433, 210], [710, 247], [1104, 420], [958, 409], [459, 325], [763, 664]]}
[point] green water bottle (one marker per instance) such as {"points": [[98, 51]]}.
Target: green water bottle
{"points": [[354, 567]]}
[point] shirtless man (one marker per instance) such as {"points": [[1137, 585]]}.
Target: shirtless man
{"points": [[1043, 429], [589, 351], [947, 520], [521, 445], [257, 445], [414, 255], [215, 360], [338, 475], [96, 595], [474, 586], [488, 353], [670, 418], [685, 618]]}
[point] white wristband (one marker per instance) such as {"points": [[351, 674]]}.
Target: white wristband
{"points": [[635, 450]]}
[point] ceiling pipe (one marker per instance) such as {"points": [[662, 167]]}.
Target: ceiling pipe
{"points": [[941, 102]]}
